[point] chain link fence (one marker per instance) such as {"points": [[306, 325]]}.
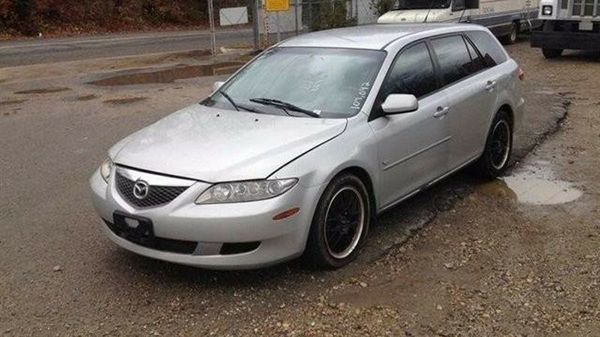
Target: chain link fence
{"points": [[246, 23]]}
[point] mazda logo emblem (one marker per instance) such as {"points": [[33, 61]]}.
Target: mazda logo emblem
{"points": [[141, 189]]}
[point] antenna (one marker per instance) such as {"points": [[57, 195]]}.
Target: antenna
{"points": [[429, 10], [462, 14]]}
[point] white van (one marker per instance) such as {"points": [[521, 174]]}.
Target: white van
{"points": [[505, 18]]}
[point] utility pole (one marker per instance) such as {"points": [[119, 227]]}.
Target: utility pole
{"points": [[256, 17], [310, 14], [211, 19], [296, 4]]}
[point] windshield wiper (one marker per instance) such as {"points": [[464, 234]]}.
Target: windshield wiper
{"points": [[228, 98], [236, 105], [284, 105]]}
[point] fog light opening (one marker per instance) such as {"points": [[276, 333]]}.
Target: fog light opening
{"points": [[287, 214]]}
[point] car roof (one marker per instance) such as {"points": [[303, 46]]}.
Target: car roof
{"points": [[375, 37]]}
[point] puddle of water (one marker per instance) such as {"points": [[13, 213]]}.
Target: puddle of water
{"points": [[80, 98], [41, 91], [169, 75], [14, 101], [86, 97], [537, 185], [128, 100]]}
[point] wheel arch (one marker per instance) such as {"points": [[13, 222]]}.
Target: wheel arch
{"points": [[365, 177], [509, 110]]}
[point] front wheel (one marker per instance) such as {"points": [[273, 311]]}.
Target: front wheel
{"points": [[340, 224], [551, 53], [498, 148], [512, 37]]}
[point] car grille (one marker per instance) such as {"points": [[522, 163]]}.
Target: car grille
{"points": [[157, 195]]}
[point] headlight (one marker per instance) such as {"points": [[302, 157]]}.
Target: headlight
{"points": [[547, 10], [106, 168], [245, 191]]}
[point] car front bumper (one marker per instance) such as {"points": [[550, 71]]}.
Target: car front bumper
{"points": [[214, 226]]}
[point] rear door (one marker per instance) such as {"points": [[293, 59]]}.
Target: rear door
{"points": [[412, 147], [471, 96]]}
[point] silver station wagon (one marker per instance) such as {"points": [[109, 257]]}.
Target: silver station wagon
{"points": [[298, 152]]}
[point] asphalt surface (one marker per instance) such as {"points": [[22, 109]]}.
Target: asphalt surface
{"points": [[59, 276], [35, 51]]}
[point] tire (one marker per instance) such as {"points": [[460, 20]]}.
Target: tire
{"points": [[324, 248], [551, 53], [498, 148], [512, 37]]}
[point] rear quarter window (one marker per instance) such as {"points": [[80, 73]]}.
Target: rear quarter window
{"points": [[491, 50], [454, 58]]}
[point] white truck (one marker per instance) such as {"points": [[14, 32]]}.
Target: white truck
{"points": [[505, 18], [568, 24]]}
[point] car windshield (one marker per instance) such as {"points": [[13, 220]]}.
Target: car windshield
{"points": [[303, 82], [423, 4]]}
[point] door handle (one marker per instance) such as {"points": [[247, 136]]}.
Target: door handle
{"points": [[490, 86], [441, 112]]}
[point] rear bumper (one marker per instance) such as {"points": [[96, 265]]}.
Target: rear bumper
{"points": [[566, 40]]}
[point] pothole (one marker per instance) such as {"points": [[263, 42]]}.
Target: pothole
{"points": [[169, 75], [127, 100], [13, 101], [41, 91], [86, 97], [534, 184]]}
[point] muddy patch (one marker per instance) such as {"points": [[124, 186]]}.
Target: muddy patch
{"points": [[534, 184], [127, 100], [169, 75], [12, 102], [41, 91]]}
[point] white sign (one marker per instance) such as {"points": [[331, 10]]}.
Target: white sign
{"points": [[233, 16]]}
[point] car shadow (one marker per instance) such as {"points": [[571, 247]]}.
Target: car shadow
{"points": [[391, 229], [577, 56]]}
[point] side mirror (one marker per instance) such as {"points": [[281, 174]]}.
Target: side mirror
{"points": [[217, 85], [399, 103], [471, 4]]}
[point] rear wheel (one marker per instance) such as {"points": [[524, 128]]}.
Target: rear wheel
{"points": [[498, 148], [340, 224], [551, 53]]}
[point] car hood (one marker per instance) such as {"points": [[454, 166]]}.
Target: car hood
{"points": [[220, 145]]}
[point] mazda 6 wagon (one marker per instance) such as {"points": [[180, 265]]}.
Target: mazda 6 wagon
{"points": [[299, 151]]}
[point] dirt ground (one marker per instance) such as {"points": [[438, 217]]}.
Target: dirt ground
{"points": [[514, 257]]}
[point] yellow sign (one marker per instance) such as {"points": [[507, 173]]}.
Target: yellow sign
{"points": [[277, 5]]}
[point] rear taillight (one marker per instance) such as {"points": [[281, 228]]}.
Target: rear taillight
{"points": [[521, 74]]}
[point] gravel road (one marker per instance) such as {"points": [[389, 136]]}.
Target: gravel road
{"points": [[466, 258]]}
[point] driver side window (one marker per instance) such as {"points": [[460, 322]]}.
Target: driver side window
{"points": [[412, 73]]}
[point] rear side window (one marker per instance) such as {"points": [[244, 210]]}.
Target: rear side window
{"points": [[411, 73], [488, 46], [477, 62], [454, 58]]}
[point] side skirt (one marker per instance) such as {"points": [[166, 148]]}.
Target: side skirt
{"points": [[428, 185]]}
